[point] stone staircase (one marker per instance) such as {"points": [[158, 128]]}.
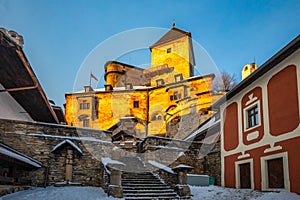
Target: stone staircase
{"points": [[140, 183]]}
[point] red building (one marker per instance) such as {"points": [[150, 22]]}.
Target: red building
{"points": [[260, 132]]}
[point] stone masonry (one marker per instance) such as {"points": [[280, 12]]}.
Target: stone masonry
{"points": [[38, 139]]}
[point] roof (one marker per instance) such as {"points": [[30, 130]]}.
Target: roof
{"points": [[19, 80], [143, 88], [66, 142], [174, 33], [12, 153], [267, 66], [121, 63]]}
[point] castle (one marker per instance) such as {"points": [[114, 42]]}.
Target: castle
{"points": [[152, 97]]}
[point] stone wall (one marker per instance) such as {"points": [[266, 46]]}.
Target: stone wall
{"points": [[38, 139], [205, 158]]}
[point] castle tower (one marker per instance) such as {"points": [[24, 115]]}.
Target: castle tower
{"points": [[174, 50], [248, 69]]}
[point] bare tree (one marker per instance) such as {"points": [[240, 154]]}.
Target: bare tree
{"points": [[225, 82]]}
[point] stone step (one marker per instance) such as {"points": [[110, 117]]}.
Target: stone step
{"points": [[167, 194], [141, 181], [143, 187], [146, 176], [151, 198], [146, 184], [150, 190]]}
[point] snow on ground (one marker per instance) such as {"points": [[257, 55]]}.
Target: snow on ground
{"points": [[96, 193], [220, 193], [59, 193]]}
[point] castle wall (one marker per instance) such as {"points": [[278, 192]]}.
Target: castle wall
{"points": [[178, 57]]}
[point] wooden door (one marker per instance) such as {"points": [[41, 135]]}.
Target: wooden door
{"points": [[275, 173], [245, 178]]}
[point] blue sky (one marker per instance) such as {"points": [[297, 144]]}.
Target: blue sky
{"points": [[60, 34]]}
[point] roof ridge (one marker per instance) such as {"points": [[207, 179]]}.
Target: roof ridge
{"points": [[172, 34]]}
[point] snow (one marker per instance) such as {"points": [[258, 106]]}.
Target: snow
{"points": [[183, 167], [107, 161], [92, 139], [215, 192], [65, 142], [14, 154], [60, 193], [114, 89], [161, 166], [96, 193], [167, 147], [11, 109]]}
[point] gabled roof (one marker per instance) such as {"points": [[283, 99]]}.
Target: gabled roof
{"points": [[18, 79], [286, 51], [174, 33], [66, 142]]}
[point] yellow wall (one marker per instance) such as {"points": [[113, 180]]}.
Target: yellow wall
{"points": [[117, 104], [179, 57], [158, 105]]}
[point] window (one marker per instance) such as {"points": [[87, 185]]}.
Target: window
{"points": [[252, 117], [153, 118], [85, 123], [169, 50], [176, 96], [160, 82], [136, 104], [178, 77], [84, 105]]}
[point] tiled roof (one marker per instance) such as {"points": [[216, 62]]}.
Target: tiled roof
{"points": [[172, 34]]}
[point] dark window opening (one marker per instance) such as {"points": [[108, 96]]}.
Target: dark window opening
{"points": [[176, 96], [169, 50], [153, 118], [136, 104], [85, 123], [253, 118], [178, 77], [159, 117], [160, 82]]}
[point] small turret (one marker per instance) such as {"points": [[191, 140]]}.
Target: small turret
{"points": [[248, 69]]}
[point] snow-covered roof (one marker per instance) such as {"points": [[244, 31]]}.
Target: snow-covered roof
{"points": [[107, 161], [5, 150], [91, 139], [181, 166], [114, 89], [161, 166], [213, 121], [67, 142]]}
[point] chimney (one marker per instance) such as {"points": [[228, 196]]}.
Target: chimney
{"points": [[128, 86], [88, 89], [108, 88]]}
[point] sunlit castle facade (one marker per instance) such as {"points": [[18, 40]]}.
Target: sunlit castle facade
{"points": [[151, 97]]}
